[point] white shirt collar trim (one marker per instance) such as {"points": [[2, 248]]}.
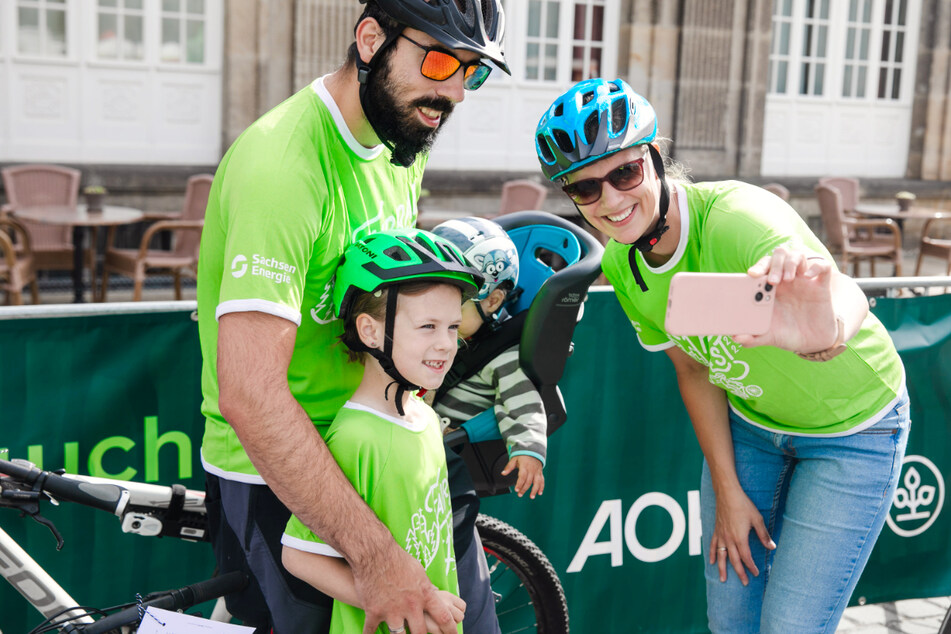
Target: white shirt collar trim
{"points": [[417, 427], [365, 153]]}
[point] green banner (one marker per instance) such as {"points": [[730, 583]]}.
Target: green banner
{"points": [[118, 396]]}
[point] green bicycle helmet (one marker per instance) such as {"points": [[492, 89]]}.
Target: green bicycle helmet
{"points": [[392, 257], [388, 259]]}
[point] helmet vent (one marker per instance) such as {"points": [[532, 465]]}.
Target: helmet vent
{"points": [[545, 149], [559, 110], [397, 253], [467, 10], [587, 97], [618, 115], [563, 140], [591, 126]]}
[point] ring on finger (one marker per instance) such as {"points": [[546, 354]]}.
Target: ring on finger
{"points": [[397, 630], [719, 548]]}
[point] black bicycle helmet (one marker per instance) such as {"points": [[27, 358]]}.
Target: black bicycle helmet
{"points": [[470, 25]]}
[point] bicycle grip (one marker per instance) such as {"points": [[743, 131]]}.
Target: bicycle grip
{"points": [[106, 497]]}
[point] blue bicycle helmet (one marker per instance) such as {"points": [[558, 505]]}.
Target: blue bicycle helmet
{"points": [[594, 119]]}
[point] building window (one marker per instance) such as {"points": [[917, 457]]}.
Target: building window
{"points": [[183, 31], [858, 33], [894, 27], [120, 30], [563, 40], [541, 41], [587, 44], [815, 37], [41, 28], [840, 50], [779, 51]]}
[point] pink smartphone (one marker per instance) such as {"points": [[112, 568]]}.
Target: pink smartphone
{"points": [[719, 304]]}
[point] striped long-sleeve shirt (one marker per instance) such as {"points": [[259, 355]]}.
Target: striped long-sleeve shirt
{"points": [[501, 384]]}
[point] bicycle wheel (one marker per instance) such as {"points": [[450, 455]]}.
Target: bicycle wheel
{"points": [[528, 593]]}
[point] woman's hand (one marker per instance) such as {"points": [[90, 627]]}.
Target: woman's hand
{"points": [[803, 312], [736, 517]]}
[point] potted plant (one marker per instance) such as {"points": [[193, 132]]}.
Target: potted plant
{"points": [[94, 195], [905, 200]]}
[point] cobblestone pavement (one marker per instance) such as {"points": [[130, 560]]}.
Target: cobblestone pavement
{"points": [[912, 616]]}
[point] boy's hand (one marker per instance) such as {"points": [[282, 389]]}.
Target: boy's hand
{"points": [[529, 475], [455, 604]]}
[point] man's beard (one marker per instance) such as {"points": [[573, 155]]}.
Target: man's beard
{"points": [[397, 123]]}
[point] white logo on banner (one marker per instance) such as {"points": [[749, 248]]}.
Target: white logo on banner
{"points": [[919, 498], [239, 265]]}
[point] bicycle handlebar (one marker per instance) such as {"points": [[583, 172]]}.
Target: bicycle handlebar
{"points": [[180, 599], [106, 497]]}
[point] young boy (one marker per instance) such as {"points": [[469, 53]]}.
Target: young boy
{"points": [[501, 383], [399, 294]]}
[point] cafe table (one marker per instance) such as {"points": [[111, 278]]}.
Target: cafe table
{"points": [[891, 210], [81, 220]]}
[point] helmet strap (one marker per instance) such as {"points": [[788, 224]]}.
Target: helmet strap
{"points": [[364, 75], [647, 241], [385, 357]]}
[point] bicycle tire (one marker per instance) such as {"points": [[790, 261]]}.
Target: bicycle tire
{"points": [[529, 595]]}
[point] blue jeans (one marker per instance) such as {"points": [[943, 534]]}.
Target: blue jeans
{"points": [[824, 501]]}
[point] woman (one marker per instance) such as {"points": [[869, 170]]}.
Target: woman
{"points": [[802, 428]]}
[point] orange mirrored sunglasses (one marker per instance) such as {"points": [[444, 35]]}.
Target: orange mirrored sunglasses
{"points": [[439, 65]]}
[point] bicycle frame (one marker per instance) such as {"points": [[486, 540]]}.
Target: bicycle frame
{"points": [[30, 579]]}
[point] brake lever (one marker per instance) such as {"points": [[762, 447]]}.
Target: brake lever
{"points": [[28, 503]]}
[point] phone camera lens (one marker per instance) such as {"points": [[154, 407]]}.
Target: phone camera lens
{"points": [[769, 287], [759, 297]]}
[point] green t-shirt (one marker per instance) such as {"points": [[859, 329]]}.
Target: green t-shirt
{"points": [[400, 470], [726, 227], [292, 192]]}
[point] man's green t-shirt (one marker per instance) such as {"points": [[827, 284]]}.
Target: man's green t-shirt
{"points": [[292, 192], [726, 227], [400, 471]]}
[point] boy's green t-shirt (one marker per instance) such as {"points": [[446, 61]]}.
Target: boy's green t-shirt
{"points": [[726, 228], [290, 195], [400, 471]]}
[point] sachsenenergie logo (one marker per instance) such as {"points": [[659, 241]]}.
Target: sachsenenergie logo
{"points": [[239, 266], [261, 266]]}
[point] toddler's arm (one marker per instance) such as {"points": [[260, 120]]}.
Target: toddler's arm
{"points": [[530, 475]]}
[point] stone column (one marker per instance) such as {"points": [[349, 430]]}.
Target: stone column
{"points": [[258, 61]]}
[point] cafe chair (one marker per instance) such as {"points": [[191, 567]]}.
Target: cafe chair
{"points": [[843, 237], [848, 189], [39, 185], [181, 259], [16, 262], [934, 245], [522, 195], [779, 190]]}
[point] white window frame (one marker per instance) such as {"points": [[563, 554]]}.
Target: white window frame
{"points": [[517, 39], [71, 11], [835, 63]]}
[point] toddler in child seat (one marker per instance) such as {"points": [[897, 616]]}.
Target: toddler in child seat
{"points": [[500, 384]]}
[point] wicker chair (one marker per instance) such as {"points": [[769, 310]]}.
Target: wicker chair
{"points": [[38, 185], [181, 260], [842, 237], [522, 195], [16, 262]]}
